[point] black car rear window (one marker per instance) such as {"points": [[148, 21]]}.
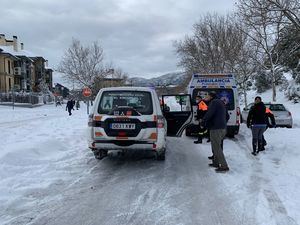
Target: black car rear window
{"points": [[277, 107], [222, 93], [141, 101]]}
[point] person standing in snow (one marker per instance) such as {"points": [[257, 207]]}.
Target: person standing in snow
{"points": [[257, 120], [269, 116], [216, 121], [73, 102], [70, 106], [201, 110], [77, 104]]}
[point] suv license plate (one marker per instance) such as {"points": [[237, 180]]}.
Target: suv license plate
{"points": [[123, 126]]}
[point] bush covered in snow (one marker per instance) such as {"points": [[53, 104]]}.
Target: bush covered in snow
{"points": [[293, 91]]}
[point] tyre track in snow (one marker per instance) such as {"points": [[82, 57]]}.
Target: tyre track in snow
{"points": [[136, 189], [258, 184]]}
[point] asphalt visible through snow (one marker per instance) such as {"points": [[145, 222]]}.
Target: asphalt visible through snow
{"points": [[77, 189], [136, 189]]}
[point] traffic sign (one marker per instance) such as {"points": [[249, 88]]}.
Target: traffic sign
{"points": [[87, 92]]}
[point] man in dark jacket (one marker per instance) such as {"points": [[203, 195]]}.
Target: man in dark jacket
{"points": [[216, 121], [257, 120], [69, 106]]}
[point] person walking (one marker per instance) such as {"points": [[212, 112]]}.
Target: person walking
{"points": [[257, 121], [201, 110], [70, 106], [270, 124], [216, 121]]}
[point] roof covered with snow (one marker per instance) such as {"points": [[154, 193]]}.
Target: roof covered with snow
{"points": [[10, 50]]}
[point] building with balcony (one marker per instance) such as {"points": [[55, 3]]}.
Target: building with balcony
{"points": [[21, 69]]}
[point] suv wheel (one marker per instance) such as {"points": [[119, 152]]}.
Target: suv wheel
{"points": [[161, 156]]}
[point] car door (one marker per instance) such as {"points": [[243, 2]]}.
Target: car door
{"points": [[177, 110]]}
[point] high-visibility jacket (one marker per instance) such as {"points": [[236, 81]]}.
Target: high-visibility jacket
{"points": [[202, 106], [270, 115], [268, 110]]}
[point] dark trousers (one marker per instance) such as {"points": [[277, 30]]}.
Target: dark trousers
{"points": [[257, 136], [216, 138], [70, 111]]}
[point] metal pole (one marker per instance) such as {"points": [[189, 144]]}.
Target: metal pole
{"points": [[13, 97], [88, 107]]}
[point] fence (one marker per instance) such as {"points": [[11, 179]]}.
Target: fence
{"points": [[24, 97]]}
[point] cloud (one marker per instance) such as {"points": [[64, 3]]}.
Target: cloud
{"points": [[136, 35]]}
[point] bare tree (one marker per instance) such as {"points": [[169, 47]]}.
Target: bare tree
{"points": [[289, 8], [264, 32], [246, 67], [214, 46], [81, 65]]}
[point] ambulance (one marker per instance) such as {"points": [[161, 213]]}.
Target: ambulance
{"points": [[225, 87]]}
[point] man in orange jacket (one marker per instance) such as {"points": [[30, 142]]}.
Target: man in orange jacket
{"points": [[201, 111], [269, 114]]}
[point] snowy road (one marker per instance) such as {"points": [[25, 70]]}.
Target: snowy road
{"points": [[49, 176]]}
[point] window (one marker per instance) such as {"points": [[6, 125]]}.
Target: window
{"points": [[141, 101], [277, 107], [8, 64], [176, 103], [224, 94]]}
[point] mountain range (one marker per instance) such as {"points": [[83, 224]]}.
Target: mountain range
{"points": [[169, 79]]}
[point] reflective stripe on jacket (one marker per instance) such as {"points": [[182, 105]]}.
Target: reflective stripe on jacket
{"points": [[202, 106]]}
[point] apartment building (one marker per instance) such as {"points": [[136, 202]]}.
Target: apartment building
{"points": [[21, 69]]}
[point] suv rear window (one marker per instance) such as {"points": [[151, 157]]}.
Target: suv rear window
{"points": [[141, 101], [224, 94]]}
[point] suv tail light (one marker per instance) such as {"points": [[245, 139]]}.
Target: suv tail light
{"points": [[289, 113], [160, 122]]}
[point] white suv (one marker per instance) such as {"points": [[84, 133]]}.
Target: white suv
{"points": [[125, 118]]}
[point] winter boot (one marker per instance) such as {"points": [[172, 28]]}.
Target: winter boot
{"points": [[199, 141], [261, 146], [254, 149], [211, 157], [265, 142], [222, 169]]}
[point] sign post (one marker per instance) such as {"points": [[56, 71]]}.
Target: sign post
{"points": [[87, 92]]}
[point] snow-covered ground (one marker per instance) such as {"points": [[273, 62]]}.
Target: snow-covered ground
{"points": [[49, 176]]}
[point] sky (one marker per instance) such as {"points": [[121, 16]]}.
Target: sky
{"points": [[136, 35]]}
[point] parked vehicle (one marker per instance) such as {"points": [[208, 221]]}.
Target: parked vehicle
{"points": [[225, 87], [126, 118], [283, 117]]}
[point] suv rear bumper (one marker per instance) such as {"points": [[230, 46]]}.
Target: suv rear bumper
{"points": [[124, 145]]}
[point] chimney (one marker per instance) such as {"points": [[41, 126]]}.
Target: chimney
{"points": [[46, 63], [22, 46], [15, 43], [2, 39]]}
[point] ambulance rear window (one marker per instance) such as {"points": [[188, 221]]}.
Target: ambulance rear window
{"points": [[224, 94]]}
